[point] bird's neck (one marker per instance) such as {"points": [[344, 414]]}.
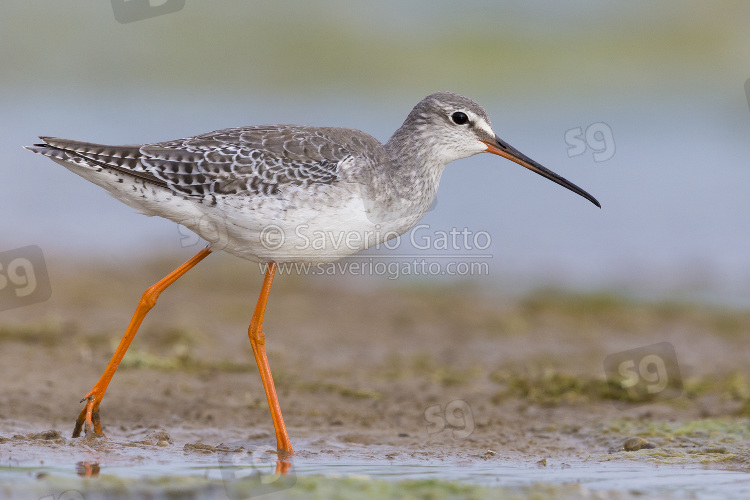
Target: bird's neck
{"points": [[415, 160], [410, 181]]}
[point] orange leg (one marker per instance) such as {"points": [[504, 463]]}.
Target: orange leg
{"points": [[90, 413], [258, 342]]}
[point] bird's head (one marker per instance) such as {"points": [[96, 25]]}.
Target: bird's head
{"points": [[452, 127]]}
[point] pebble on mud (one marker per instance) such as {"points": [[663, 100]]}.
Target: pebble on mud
{"points": [[46, 435], [158, 438], [204, 448], [637, 443]]}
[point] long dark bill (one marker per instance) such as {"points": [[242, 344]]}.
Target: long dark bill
{"points": [[502, 148]]}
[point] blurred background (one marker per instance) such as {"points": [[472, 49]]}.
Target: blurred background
{"points": [[643, 105]]}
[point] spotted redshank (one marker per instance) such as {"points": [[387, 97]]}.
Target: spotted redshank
{"points": [[261, 192]]}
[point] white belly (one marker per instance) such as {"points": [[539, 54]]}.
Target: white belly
{"points": [[322, 227], [323, 223]]}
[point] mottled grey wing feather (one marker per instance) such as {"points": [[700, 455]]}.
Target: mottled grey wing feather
{"points": [[239, 161], [124, 159], [250, 160]]}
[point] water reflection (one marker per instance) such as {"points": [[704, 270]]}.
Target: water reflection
{"points": [[248, 469], [87, 469]]}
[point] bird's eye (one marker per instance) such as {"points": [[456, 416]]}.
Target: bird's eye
{"points": [[459, 118]]}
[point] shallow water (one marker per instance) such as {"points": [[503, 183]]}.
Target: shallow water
{"points": [[164, 473]]}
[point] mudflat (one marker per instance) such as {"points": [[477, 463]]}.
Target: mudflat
{"points": [[382, 371]]}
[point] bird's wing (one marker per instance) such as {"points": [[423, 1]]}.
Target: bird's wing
{"points": [[122, 159], [239, 161], [253, 160]]}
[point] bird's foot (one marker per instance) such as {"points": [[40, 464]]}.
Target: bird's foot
{"points": [[283, 465], [89, 419]]}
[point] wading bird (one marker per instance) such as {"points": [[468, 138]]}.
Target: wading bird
{"points": [[249, 190]]}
